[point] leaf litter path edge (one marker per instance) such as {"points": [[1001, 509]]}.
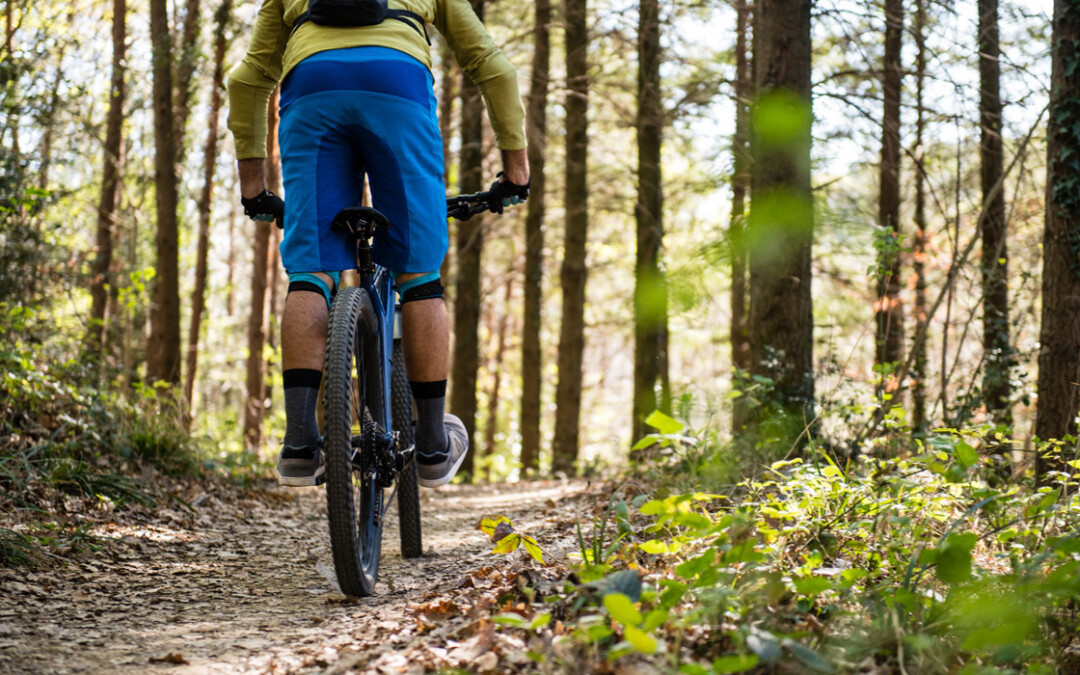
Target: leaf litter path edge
{"points": [[244, 585]]}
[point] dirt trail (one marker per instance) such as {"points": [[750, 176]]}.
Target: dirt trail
{"points": [[241, 586]]}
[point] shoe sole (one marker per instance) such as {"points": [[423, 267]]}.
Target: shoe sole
{"points": [[439, 482], [303, 481]]}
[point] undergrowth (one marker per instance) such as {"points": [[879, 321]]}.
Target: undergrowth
{"points": [[64, 437], [925, 562]]}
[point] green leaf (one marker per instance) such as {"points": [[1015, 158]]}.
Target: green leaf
{"points": [[695, 566], [647, 441], [642, 641], [954, 558], [735, 664], [692, 520], [622, 609], [655, 507], [655, 619], [540, 620], [533, 548], [812, 585], [653, 546], [664, 424], [965, 454], [515, 620], [508, 544], [672, 594]]}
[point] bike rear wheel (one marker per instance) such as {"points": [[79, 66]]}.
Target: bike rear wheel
{"points": [[354, 420], [408, 495]]}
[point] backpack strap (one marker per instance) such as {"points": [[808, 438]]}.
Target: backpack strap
{"points": [[407, 17], [402, 15], [302, 19]]}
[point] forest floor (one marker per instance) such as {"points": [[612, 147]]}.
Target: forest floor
{"points": [[244, 583]]}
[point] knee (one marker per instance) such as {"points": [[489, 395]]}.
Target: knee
{"points": [[324, 283], [424, 286]]}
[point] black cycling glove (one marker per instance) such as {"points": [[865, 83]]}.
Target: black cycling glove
{"points": [[265, 207], [504, 193]]}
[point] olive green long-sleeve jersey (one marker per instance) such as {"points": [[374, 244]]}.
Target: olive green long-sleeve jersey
{"points": [[273, 53]]}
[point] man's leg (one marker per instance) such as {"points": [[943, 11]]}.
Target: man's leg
{"points": [[303, 351], [425, 335], [441, 441]]}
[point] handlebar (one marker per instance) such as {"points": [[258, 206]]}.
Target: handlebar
{"points": [[464, 207]]}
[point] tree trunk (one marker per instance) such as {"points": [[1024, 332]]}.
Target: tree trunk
{"points": [[110, 186], [531, 350], [48, 133], [164, 347], [1059, 338], [469, 245], [996, 389], [919, 366], [254, 408], [740, 182], [230, 286], [889, 313], [198, 304], [780, 228], [650, 291], [494, 396], [572, 276], [185, 71]]}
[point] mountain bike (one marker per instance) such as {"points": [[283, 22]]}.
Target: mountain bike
{"points": [[367, 409]]}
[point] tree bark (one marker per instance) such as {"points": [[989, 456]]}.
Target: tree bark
{"points": [[740, 183], [889, 312], [996, 389], [210, 155], [573, 274], [254, 408], [109, 202], [164, 344], [494, 396], [1059, 338], [919, 365], [531, 350], [469, 243], [185, 70], [650, 286], [780, 228]]}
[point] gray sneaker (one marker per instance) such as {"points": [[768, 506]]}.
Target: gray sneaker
{"points": [[300, 467], [441, 472]]}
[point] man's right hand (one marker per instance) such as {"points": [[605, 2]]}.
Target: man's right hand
{"points": [[505, 193], [265, 207]]}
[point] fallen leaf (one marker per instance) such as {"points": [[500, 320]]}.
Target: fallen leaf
{"points": [[170, 658]]}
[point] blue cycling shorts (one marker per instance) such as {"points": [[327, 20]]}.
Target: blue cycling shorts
{"points": [[347, 112]]}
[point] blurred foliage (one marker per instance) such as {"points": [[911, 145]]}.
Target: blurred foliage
{"points": [[917, 563]]}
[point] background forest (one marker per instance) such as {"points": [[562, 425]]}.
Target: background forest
{"points": [[895, 208], [833, 245]]}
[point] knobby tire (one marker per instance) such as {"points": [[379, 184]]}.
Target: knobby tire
{"points": [[408, 495], [353, 407]]}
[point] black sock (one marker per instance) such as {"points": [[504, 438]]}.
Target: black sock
{"points": [[301, 401], [432, 442]]}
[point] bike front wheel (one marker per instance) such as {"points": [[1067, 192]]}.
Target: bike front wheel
{"points": [[354, 419]]}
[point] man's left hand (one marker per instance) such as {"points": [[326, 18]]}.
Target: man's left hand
{"points": [[265, 207]]}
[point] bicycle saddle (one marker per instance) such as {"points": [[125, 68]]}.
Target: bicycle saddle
{"points": [[359, 221]]}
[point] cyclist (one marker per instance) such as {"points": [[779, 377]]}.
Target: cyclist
{"points": [[358, 100]]}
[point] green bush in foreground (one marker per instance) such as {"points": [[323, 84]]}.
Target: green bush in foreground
{"points": [[911, 565]]}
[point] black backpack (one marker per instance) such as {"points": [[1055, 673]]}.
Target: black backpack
{"points": [[351, 13]]}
